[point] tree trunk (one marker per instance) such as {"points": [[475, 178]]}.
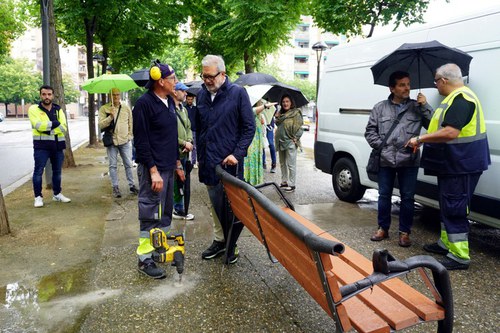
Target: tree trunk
{"points": [[4, 218], [248, 60], [89, 43], [56, 81]]}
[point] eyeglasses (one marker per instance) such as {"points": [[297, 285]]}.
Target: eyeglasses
{"points": [[209, 77], [173, 78], [436, 80]]}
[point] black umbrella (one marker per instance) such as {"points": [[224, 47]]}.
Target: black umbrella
{"points": [[187, 185], [252, 79], [141, 77], [194, 87], [420, 60]]}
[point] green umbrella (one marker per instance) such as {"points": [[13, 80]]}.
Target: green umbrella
{"points": [[104, 83]]}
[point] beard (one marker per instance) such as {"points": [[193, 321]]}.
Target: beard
{"points": [[47, 101]]}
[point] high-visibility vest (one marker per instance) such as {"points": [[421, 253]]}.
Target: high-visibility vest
{"points": [[44, 137], [469, 152]]}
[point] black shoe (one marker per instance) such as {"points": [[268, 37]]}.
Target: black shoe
{"points": [[134, 190], [149, 268], [116, 192], [178, 214], [452, 265], [284, 184], [215, 250], [289, 189], [435, 248], [233, 256]]}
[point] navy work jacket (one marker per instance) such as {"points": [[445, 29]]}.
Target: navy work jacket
{"points": [[155, 132], [225, 126]]}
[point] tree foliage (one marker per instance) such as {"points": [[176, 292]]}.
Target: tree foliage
{"points": [[19, 80], [242, 30], [350, 16], [10, 25]]}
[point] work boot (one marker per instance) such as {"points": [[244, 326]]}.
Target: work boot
{"points": [[435, 248], [116, 192], [452, 265], [149, 268], [379, 235], [404, 239], [215, 250]]}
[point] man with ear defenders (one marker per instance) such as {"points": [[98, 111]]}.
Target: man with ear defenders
{"points": [[157, 156]]}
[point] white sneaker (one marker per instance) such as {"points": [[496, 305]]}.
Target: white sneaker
{"points": [[61, 198], [38, 202], [189, 217]]}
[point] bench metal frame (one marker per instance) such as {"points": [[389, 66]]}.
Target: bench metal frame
{"points": [[385, 266]]}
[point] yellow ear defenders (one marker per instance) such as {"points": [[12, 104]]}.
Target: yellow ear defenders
{"points": [[154, 71]]}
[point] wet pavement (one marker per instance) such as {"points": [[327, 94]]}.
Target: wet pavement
{"points": [[108, 294]]}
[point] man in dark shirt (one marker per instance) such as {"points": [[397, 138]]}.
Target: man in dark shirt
{"points": [[456, 151], [157, 156]]}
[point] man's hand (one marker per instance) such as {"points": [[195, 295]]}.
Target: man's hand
{"points": [[112, 111], [180, 174], [230, 160], [188, 146], [156, 180], [421, 99]]}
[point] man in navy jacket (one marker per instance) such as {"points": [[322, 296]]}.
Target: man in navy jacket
{"points": [[225, 129], [157, 156]]}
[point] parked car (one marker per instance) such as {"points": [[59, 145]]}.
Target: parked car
{"points": [[306, 126]]}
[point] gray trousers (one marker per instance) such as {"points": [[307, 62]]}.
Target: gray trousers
{"points": [[288, 164]]}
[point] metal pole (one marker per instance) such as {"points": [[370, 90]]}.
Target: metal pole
{"points": [[45, 41], [318, 56]]}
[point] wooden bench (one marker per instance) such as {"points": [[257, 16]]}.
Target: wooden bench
{"points": [[357, 293]]}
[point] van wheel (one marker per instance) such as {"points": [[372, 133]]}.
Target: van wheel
{"points": [[345, 179]]}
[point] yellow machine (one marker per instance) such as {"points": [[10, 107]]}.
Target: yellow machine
{"points": [[165, 252]]}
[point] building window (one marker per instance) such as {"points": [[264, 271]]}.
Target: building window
{"points": [[303, 27], [303, 44], [331, 43], [300, 59], [301, 75]]}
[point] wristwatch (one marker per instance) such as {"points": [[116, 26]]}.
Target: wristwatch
{"points": [[418, 140]]}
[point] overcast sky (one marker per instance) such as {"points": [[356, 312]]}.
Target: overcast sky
{"points": [[442, 11]]}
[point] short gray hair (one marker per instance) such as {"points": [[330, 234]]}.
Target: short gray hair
{"points": [[451, 72], [214, 60]]}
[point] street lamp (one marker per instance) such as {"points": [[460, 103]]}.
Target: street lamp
{"points": [[319, 47], [100, 59]]}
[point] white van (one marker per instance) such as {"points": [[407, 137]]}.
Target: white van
{"points": [[347, 95]]}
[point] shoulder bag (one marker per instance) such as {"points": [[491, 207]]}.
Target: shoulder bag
{"points": [[107, 137], [373, 165]]}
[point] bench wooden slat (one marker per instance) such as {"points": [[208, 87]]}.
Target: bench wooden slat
{"points": [[424, 307], [242, 210], [388, 305]]}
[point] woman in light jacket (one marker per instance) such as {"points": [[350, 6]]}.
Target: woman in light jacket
{"points": [[288, 132]]}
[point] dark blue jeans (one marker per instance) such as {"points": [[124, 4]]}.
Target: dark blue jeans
{"points": [[41, 157], [407, 179], [272, 149]]}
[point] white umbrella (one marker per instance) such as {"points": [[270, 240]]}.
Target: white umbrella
{"points": [[273, 93], [257, 92]]}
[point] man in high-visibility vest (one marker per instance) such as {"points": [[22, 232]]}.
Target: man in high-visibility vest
{"points": [[49, 127], [456, 151]]}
